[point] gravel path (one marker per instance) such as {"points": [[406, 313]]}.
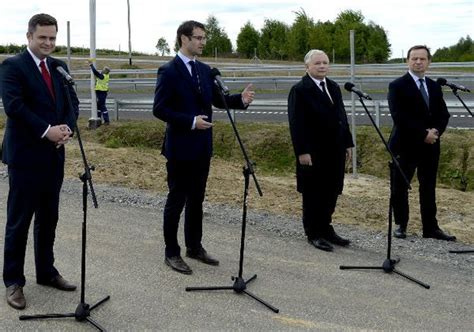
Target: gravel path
{"points": [[125, 261]]}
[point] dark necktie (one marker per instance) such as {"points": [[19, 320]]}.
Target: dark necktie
{"points": [[195, 75], [326, 93], [47, 77], [423, 92]]}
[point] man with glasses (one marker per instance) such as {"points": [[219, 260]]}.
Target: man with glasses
{"points": [[184, 96]]}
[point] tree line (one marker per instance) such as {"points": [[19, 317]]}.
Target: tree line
{"points": [[279, 41]]}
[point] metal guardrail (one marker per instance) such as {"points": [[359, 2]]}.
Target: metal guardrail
{"points": [[277, 105], [277, 82], [259, 67], [376, 107]]}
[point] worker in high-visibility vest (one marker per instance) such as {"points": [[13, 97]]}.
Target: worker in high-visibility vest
{"points": [[101, 90]]}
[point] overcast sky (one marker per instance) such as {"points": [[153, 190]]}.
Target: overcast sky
{"points": [[408, 22]]}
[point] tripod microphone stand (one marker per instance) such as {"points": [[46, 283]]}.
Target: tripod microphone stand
{"points": [[83, 309], [388, 265], [455, 92], [240, 285]]}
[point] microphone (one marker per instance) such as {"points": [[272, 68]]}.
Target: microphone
{"points": [[351, 88], [442, 81], [63, 72], [218, 80]]}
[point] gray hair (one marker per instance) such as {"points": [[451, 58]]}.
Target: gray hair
{"points": [[311, 53]]}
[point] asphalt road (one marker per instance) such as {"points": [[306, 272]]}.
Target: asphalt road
{"points": [[125, 261], [460, 118]]}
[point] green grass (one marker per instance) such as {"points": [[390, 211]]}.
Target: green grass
{"points": [[269, 146]]}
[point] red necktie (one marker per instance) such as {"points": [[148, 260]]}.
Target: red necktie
{"points": [[47, 77]]}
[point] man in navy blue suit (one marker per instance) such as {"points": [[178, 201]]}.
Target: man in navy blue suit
{"points": [[184, 96], [420, 117], [38, 125]]}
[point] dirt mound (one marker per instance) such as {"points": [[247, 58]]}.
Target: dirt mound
{"points": [[363, 203]]}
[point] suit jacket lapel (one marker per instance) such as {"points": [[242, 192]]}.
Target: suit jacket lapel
{"points": [[57, 85], [319, 93], [37, 74], [412, 85], [183, 70]]}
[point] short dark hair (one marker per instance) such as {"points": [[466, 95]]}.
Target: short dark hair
{"points": [[186, 28], [419, 47], [41, 19]]}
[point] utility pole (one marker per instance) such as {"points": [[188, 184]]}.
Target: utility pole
{"points": [[68, 45], [94, 122], [353, 127], [129, 36]]}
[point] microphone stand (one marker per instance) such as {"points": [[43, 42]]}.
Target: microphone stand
{"points": [[388, 265], [240, 285], [83, 309], [455, 92]]}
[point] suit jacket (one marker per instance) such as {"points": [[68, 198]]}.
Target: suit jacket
{"points": [[411, 116], [178, 101], [30, 109], [321, 129]]}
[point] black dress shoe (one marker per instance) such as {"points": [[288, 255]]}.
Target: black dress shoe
{"points": [[400, 232], [321, 243], [60, 283], [177, 264], [439, 235], [15, 297], [336, 239], [202, 255]]}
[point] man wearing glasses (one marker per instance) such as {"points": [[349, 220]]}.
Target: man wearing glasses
{"points": [[184, 96]]}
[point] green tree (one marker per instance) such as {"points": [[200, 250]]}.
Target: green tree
{"points": [[162, 46], [216, 38], [462, 51], [273, 40], [346, 21], [247, 40], [378, 47], [321, 36], [298, 36]]}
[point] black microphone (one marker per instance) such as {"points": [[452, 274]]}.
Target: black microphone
{"points": [[218, 80], [63, 72], [442, 81], [351, 88]]}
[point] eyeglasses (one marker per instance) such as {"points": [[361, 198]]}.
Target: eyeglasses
{"points": [[199, 38]]}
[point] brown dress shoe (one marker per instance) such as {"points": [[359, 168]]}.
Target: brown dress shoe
{"points": [[177, 264], [15, 297], [60, 283], [202, 256]]}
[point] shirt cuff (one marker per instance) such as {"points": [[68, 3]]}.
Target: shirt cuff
{"points": [[194, 124], [46, 131], [244, 103]]}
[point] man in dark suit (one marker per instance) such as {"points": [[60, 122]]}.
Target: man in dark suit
{"points": [[420, 117], [38, 125], [184, 96], [322, 143]]}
